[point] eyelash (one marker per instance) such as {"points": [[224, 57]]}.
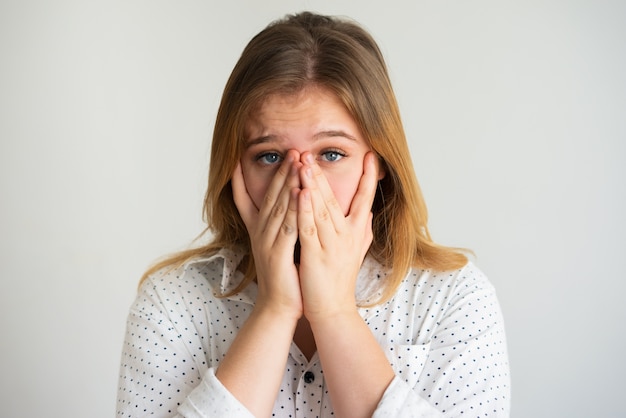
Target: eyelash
{"points": [[339, 154], [263, 155], [261, 158]]}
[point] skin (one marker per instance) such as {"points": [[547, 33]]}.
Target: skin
{"points": [[314, 122], [306, 173]]}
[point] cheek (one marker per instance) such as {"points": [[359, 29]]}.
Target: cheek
{"points": [[344, 189], [256, 185]]}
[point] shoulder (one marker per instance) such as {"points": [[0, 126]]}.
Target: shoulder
{"points": [[462, 302], [467, 279], [431, 295]]}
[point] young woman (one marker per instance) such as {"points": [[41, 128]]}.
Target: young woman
{"points": [[321, 292]]}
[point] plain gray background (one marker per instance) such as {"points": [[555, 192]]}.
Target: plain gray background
{"points": [[515, 112]]}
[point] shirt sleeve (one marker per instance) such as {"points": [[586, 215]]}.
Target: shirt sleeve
{"points": [[466, 370], [399, 400], [164, 370], [212, 399]]}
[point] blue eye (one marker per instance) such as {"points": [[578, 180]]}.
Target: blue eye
{"points": [[269, 158], [332, 156]]}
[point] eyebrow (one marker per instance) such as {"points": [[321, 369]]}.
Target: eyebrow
{"points": [[323, 134], [334, 133], [260, 140]]}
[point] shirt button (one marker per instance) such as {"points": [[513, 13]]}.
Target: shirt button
{"points": [[309, 377]]}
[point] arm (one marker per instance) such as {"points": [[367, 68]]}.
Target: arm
{"points": [[333, 247], [466, 369], [252, 369], [255, 363], [165, 362], [355, 367]]}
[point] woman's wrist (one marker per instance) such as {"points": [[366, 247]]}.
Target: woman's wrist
{"points": [[333, 316], [284, 314]]}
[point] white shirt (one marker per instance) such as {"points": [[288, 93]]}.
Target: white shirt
{"points": [[442, 332]]}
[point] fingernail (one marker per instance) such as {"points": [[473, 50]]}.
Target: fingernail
{"points": [[308, 159]]}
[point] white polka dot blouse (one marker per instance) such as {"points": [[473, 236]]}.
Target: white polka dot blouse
{"points": [[443, 334]]}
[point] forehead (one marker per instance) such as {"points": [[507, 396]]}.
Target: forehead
{"points": [[311, 105]]}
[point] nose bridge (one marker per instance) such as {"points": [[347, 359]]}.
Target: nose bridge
{"points": [[301, 141]]}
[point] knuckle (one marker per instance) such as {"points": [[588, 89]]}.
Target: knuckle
{"points": [[308, 230], [287, 229], [268, 198], [332, 203], [323, 215], [279, 210]]}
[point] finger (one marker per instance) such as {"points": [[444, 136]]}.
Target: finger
{"points": [[274, 209], [307, 229], [273, 192], [363, 199], [246, 207], [368, 236], [326, 209], [288, 233]]}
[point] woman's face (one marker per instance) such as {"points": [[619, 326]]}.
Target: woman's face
{"points": [[314, 121]]}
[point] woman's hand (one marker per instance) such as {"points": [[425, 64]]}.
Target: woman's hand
{"points": [[333, 245], [356, 370], [273, 234]]}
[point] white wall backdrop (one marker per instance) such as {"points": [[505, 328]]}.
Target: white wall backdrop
{"points": [[516, 113]]}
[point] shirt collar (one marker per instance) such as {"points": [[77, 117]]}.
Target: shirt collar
{"points": [[230, 278], [369, 286]]}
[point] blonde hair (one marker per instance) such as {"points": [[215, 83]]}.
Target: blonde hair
{"points": [[288, 55]]}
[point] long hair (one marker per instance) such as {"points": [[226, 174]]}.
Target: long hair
{"points": [[288, 55]]}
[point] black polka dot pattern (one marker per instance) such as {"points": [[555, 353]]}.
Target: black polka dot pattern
{"points": [[442, 332]]}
